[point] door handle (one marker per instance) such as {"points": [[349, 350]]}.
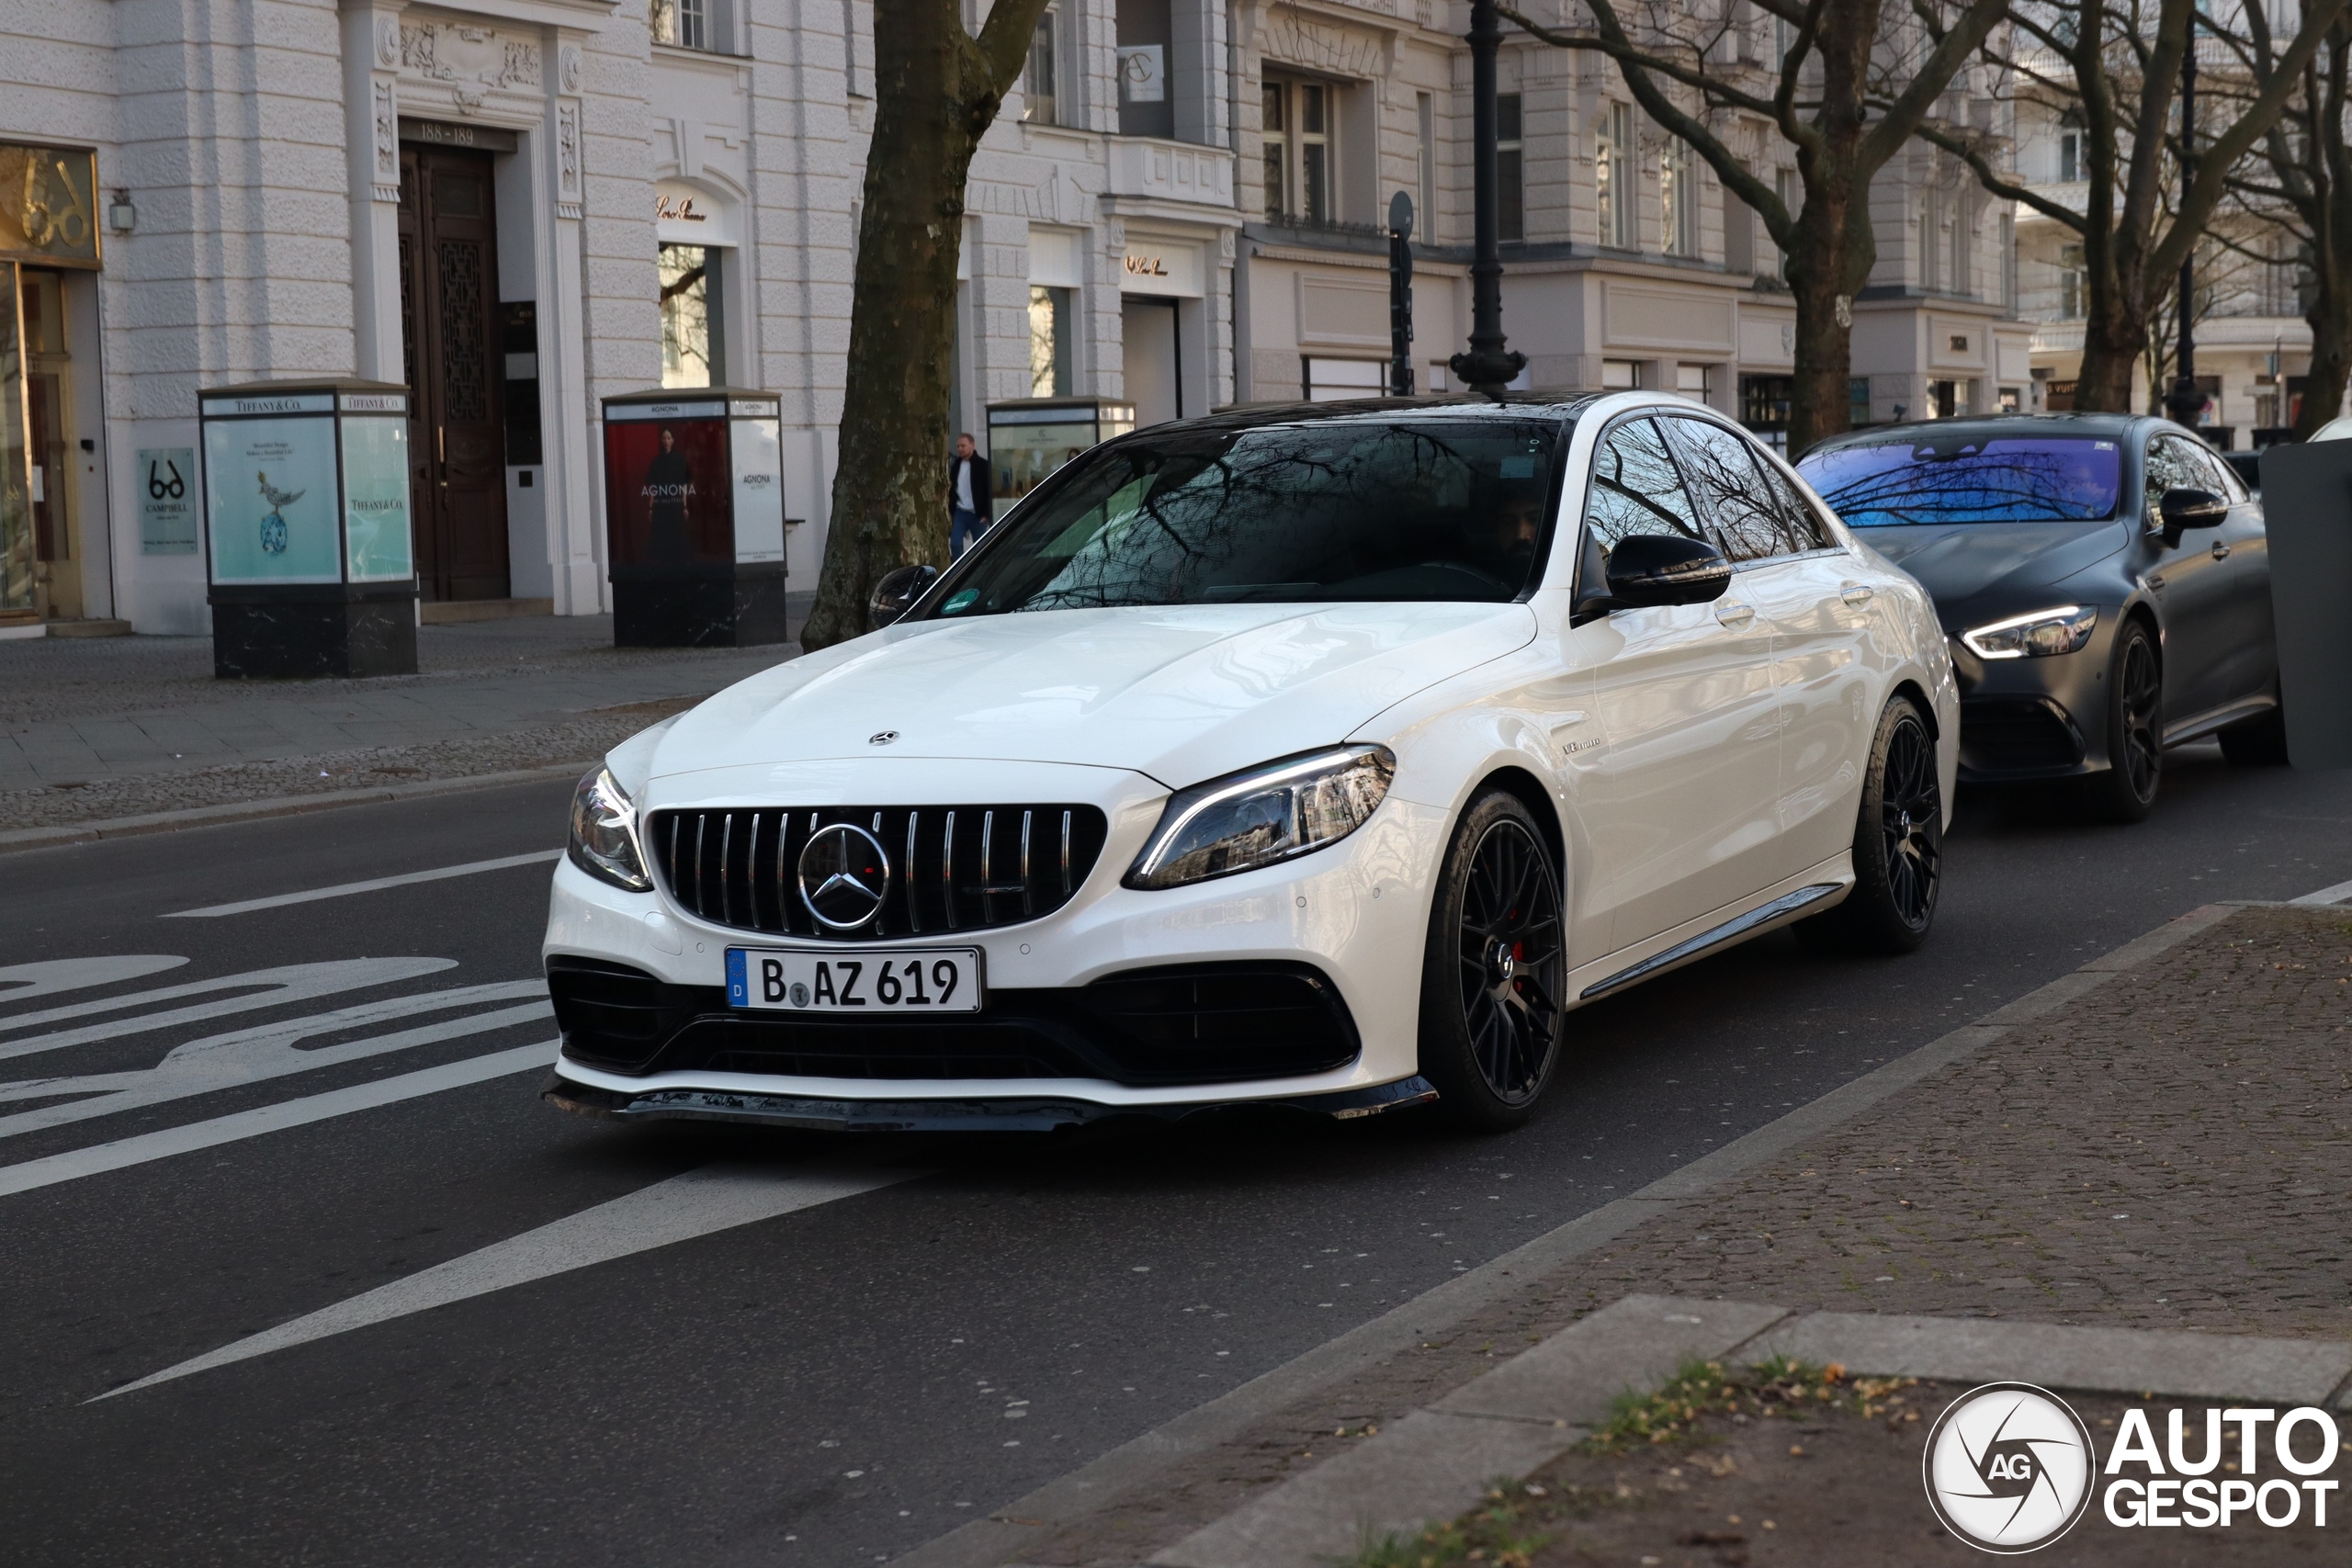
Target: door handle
{"points": [[2220, 550], [1856, 594], [1734, 614]]}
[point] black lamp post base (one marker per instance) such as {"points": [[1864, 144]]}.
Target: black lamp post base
{"points": [[1486, 370], [312, 630], [698, 607]]}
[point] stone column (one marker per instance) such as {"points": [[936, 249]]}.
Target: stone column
{"points": [[575, 507], [371, 59]]}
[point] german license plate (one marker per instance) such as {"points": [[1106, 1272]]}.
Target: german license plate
{"points": [[876, 980]]}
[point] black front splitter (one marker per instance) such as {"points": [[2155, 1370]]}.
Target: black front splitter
{"points": [[1011, 1114]]}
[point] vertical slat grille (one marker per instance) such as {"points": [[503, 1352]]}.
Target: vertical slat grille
{"points": [[739, 866]]}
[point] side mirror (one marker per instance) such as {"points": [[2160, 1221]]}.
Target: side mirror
{"points": [[2182, 510], [897, 593], [1666, 569]]}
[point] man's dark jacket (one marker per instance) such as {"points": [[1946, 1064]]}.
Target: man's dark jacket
{"points": [[980, 502]]}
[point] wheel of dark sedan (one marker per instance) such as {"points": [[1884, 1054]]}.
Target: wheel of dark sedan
{"points": [[2126, 792], [1898, 844], [1493, 977]]}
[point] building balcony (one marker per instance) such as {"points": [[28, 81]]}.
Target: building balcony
{"points": [[1145, 168]]}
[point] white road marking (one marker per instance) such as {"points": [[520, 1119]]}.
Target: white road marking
{"points": [[269, 1051], [20, 981], [2340, 893], [293, 983], [537, 857], [714, 1198], [99, 1159]]}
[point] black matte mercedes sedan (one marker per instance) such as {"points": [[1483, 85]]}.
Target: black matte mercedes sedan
{"points": [[2103, 580]]}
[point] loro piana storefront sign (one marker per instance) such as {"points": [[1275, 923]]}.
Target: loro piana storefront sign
{"points": [[49, 205]]}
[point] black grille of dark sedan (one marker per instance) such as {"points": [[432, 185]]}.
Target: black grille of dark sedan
{"points": [[2014, 735], [1190, 1024], [953, 868]]}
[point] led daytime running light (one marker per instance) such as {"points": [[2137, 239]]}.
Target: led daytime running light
{"points": [[2037, 636]]}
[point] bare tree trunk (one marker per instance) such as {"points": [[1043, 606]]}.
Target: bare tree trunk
{"points": [[936, 92], [1823, 270], [2331, 324], [2113, 339]]}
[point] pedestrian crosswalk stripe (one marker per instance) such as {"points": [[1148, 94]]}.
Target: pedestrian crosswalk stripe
{"points": [[698, 1204], [262, 988], [341, 890], [98, 1158]]}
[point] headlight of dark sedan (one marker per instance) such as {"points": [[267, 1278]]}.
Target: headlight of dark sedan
{"points": [[603, 833], [1263, 815], [2063, 630]]}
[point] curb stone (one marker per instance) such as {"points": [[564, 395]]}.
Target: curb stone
{"points": [[1005, 1535], [284, 806], [1437, 1463]]}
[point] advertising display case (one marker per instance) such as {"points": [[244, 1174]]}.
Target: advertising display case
{"points": [[310, 559], [1030, 438], [694, 517]]}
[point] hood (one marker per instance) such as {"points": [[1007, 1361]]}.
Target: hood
{"points": [[1973, 568], [1181, 693]]}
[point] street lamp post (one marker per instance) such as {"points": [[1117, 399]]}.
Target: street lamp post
{"points": [[2185, 402], [1487, 367]]}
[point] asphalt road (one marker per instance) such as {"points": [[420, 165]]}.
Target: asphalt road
{"points": [[831, 1385]]}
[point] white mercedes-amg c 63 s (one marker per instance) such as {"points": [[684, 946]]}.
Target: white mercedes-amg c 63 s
{"points": [[1329, 757]]}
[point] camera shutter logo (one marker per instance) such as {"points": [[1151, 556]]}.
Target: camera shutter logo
{"points": [[844, 875], [2010, 1468]]}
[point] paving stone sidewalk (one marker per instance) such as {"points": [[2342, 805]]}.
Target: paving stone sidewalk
{"points": [[100, 729], [2168, 1151]]}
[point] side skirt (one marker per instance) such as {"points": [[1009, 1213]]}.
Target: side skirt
{"points": [[1787, 907]]}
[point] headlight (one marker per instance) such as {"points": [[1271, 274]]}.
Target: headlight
{"points": [[603, 833], [2045, 632], [1266, 815]]}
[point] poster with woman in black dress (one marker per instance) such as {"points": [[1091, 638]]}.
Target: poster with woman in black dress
{"points": [[668, 487]]}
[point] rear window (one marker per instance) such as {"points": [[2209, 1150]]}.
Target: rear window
{"points": [[1976, 479]]}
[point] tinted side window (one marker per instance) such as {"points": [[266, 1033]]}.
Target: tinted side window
{"points": [[1740, 512], [2219, 479], [1636, 488], [1802, 525], [2172, 464]]}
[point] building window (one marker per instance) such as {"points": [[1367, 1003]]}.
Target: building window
{"points": [[1962, 274], [1297, 135], [1621, 375], [1931, 227], [1858, 399], [1425, 114], [1784, 185], [2012, 400], [1695, 381], [1950, 399], [2073, 284], [693, 339], [2071, 166], [689, 24], [1510, 169], [1049, 342], [1336, 380], [2010, 262], [1764, 402], [1613, 176], [1038, 82], [1678, 208]]}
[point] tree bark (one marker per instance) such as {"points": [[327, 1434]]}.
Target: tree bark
{"points": [[936, 91]]}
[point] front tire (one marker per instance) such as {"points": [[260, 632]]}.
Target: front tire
{"points": [[1898, 845], [2126, 792], [1494, 970]]}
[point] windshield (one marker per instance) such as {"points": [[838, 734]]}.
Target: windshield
{"points": [[1452, 509], [1974, 479]]}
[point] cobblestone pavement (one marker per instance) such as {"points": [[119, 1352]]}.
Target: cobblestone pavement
{"points": [[103, 728], [2169, 1151]]}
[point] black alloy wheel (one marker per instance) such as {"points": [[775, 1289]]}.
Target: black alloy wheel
{"points": [[1494, 975], [2126, 792], [1898, 844]]}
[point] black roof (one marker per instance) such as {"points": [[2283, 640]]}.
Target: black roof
{"points": [[1465, 406], [2115, 426]]}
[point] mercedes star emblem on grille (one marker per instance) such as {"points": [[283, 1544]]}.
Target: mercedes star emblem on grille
{"points": [[844, 873]]}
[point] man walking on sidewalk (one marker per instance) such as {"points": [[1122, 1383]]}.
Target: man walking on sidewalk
{"points": [[968, 496]]}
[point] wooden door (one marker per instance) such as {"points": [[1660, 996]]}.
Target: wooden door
{"points": [[457, 393]]}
